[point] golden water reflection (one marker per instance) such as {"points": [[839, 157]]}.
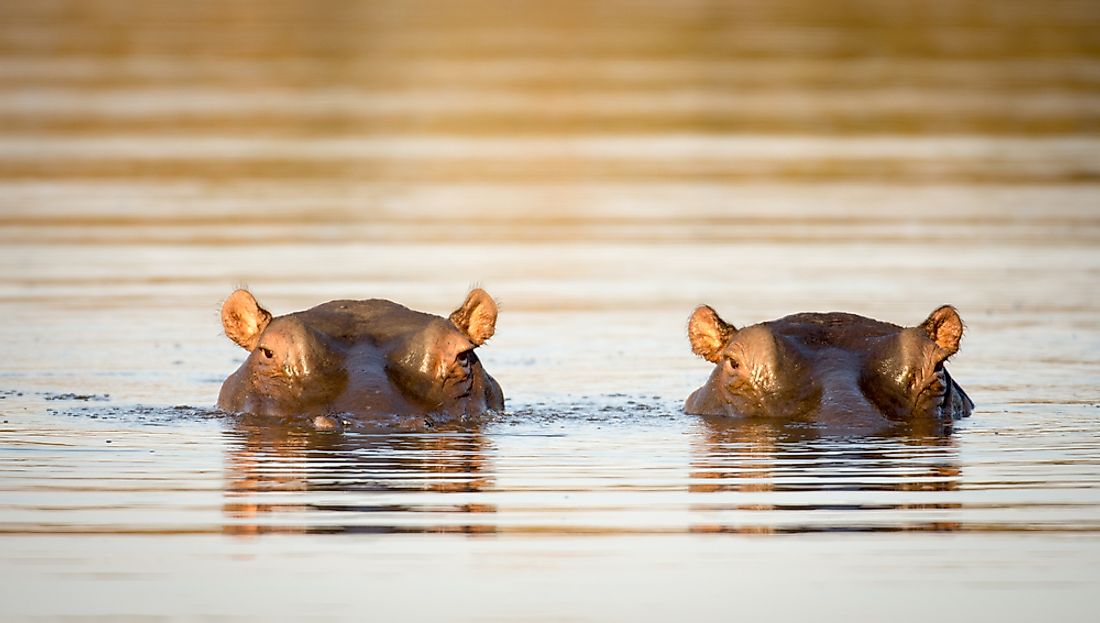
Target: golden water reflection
{"points": [[287, 478], [851, 482]]}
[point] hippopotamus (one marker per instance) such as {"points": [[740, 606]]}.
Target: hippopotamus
{"points": [[833, 369], [356, 360]]}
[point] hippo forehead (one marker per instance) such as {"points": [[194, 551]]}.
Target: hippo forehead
{"points": [[817, 331], [378, 322]]}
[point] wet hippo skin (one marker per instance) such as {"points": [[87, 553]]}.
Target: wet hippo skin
{"points": [[835, 369], [360, 359]]}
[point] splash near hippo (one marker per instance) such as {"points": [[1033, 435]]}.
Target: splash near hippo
{"points": [[360, 359], [835, 369]]}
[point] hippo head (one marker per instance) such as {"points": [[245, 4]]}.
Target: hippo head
{"points": [[360, 358], [832, 368]]}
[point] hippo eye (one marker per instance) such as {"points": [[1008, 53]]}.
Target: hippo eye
{"points": [[464, 358], [267, 352], [732, 364]]}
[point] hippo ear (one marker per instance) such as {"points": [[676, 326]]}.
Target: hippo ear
{"points": [[708, 333], [477, 317], [945, 328], [243, 319]]}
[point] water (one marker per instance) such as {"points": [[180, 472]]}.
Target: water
{"points": [[601, 169]]}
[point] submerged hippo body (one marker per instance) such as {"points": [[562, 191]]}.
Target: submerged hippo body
{"points": [[360, 359], [835, 369]]}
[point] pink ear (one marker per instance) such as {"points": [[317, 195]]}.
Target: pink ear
{"points": [[477, 317], [243, 319], [708, 333], [945, 328]]}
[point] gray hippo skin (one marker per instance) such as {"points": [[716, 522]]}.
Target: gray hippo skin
{"points": [[832, 368], [360, 359]]}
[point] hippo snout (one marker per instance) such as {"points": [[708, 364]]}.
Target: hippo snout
{"points": [[843, 401]]}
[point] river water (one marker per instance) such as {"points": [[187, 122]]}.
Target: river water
{"points": [[600, 168]]}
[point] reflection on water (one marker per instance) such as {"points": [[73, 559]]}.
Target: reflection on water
{"points": [[788, 468], [293, 479], [592, 470]]}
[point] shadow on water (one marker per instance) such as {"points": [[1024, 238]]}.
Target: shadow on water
{"points": [[290, 478], [769, 477]]}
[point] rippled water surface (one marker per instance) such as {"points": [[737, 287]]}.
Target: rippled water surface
{"points": [[600, 168]]}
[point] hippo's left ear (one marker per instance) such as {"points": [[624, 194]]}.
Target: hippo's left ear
{"points": [[708, 333], [243, 319], [477, 317], [945, 328]]}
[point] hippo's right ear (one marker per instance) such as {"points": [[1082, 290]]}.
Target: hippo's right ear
{"points": [[243, 319], [709, 334], [945, 328], [477, 317]]}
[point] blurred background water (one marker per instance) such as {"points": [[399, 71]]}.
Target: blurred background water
{"points": [[601, 168]]}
